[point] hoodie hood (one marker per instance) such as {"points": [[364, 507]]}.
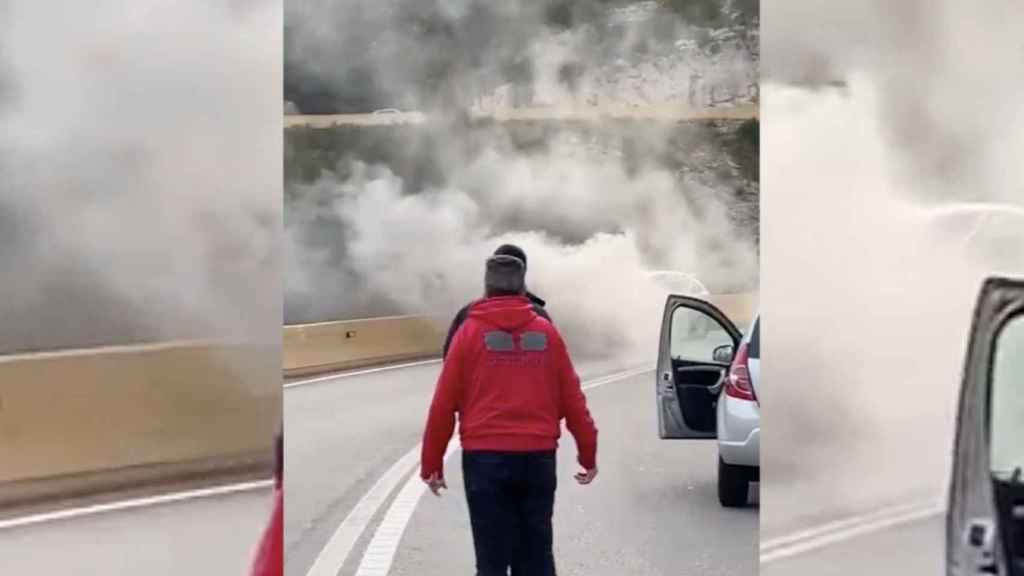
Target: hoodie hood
{"points": [[536, 299], [505, 312]]}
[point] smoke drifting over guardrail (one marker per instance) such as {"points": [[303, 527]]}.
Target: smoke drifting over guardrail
{"points": [[591, 217]]}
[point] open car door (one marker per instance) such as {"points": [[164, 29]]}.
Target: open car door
{"points": [[985, 519], [697, 345]]}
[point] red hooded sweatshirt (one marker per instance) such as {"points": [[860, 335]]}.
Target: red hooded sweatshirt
{"points": [[269, 560], [509, 377]]}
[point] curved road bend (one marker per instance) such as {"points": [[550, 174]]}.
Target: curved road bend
{"points": [[653, 510]]}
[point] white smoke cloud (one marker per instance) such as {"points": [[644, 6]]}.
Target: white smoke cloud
{"points": [[591, 224], [425, 251], [867, 290], [139, 203]]}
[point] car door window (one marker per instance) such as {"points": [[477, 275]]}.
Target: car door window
{"points": [[695, 336], [1007, 401]]}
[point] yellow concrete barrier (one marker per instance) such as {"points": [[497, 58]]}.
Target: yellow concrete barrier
{"points": [[88, 419], [328, 346], [331, 346], [740, 307]]}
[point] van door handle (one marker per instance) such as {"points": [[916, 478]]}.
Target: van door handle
{"points": [[666, 383], [980, 537]]}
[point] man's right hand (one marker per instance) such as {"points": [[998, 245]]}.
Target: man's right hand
{"points": [[587, 476], [436, 482]]}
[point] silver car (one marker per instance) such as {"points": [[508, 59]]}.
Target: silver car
{"points": [[708, 375]]}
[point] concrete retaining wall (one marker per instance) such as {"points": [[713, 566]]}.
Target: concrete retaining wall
{"points": [[84, 421], [330, 346], [740, 308], [327, 346], [88, 421]]}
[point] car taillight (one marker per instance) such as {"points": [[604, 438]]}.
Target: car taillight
{"points": [[737, 384]]}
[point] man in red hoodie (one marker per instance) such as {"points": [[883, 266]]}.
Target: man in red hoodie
{"points": [[269, 559], [509, 378]]}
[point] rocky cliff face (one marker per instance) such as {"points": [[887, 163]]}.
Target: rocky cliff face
{"points": [[405, 54]]}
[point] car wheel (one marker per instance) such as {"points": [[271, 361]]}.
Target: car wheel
{"points": [[733, 484]]}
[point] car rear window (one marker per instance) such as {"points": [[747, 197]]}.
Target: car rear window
{"points": [[754, 348]]}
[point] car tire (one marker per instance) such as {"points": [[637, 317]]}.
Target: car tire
{"points": [[733, 484]]}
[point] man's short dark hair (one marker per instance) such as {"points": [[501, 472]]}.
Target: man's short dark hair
{"points": [[513, 251]]}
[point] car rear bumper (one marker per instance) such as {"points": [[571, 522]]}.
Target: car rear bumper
{"points": [[739, 432]]}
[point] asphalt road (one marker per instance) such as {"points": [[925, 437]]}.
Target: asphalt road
{"points": [[214, 536], [653, 510], [912, 549]]}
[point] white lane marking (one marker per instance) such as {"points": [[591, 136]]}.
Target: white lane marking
{"points": [[332, 556], [615, 377], [362, 372], [121, 505], [833, 532], [334, 553], [845, 523], [380, 553]]}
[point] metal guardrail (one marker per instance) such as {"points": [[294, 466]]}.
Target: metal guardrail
{"points": [[663, 113]]}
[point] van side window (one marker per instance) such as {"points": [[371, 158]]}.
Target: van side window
{"points": [[1007, 400], [695, 336]]}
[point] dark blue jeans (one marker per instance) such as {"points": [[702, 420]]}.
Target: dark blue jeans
{"points": [[511, 497]]}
